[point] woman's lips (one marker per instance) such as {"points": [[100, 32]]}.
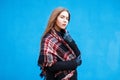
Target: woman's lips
{"points": [[64, 24]]}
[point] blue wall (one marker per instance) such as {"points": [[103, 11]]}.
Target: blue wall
{"points": [[95, 26]]}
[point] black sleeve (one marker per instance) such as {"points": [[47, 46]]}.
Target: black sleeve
{"points": [[60, 65], [63, 65]]}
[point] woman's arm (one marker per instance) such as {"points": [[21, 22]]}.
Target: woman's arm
{"points": [[63, 65]]}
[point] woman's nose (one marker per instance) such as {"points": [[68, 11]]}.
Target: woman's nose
{"points": [[65, 20]]}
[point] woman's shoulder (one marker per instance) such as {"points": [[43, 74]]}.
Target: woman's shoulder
{"points": [[48, 37]]}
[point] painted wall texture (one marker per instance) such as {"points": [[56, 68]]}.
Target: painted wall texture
{"points": [[94, 25]]}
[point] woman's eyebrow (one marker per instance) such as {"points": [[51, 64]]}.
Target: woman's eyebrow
{"points": [[64, 16]]}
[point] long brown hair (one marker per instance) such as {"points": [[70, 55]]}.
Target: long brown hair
{"points": [[53, 18]]}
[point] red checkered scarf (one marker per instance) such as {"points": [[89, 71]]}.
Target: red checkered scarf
{"points": [[50, 45]]}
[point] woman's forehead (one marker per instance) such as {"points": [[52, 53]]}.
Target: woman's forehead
{"points": [[64, 13]]}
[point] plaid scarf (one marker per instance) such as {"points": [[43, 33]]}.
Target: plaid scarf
{"points": [[50, 48]]}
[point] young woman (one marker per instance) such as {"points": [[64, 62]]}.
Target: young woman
{"points": [[59, 55]]}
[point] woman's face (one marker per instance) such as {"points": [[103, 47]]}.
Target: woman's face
{"points": [[62, 20]]}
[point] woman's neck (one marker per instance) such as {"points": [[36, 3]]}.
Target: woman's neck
{"points": [[57, 28]]}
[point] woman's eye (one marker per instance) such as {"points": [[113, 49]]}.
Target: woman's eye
{"points": [[62, 16]]}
